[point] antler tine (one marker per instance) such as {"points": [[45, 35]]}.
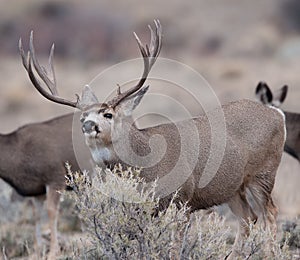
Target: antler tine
{"points": [[24, 58], [150, 54], [158, 39], [51, 66], [42, 72], [155, 42]]}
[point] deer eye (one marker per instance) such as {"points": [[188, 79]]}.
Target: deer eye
{"points": [[108, 115], [83, 116]]}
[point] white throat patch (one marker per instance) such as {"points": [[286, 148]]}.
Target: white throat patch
{"points": [[100, 154]]}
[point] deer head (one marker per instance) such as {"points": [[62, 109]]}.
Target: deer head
{"points": [[265, 96], [98, 119], [104, 121]]}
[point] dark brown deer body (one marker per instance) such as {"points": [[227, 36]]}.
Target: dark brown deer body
{"points": [[292, 143], [33, 161], [255, 136], [265, 96], [37, 153]]}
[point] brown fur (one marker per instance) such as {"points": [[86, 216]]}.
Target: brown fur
{"points": [[32, 161], [254, 145], [292, 144]]}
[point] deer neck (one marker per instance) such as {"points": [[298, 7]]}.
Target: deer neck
{"points": [[131, 145], [130, 140]]}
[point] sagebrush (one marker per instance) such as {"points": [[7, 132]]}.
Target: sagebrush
{"points": [[118, 210]]}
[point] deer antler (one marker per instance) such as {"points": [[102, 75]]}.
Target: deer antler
{"points": [[150, 54], [43, 74]]}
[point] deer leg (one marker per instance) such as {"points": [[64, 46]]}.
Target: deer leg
{"points": [[272, 212], [52, 207], [243, 211], [270, 215], [261, 191], [38, 203]]}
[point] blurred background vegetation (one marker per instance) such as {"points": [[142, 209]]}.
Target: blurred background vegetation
{"points": [[234, 44]]}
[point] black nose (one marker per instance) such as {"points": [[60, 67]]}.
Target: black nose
{"points": [[88, 126]]}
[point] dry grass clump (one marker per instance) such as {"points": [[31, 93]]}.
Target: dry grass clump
{"points": [[260, 245], [291, 231], [16, 242], [120, 220], [119, 211]]}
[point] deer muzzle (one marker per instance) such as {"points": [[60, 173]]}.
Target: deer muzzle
{"points": [[90, 126]]}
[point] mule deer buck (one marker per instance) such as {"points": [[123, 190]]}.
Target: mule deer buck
{"points": [[33, 160], [254, 143], [265, 96]]}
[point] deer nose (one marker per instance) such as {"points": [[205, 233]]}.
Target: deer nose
{"points": [[89, 126]]}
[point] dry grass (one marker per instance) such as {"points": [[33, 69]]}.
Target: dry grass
{"points": [[118, 212]]}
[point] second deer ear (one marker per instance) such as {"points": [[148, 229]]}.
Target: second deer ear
{"points": [[88, 97], [127, 105], [280, 96], [263, 93]]}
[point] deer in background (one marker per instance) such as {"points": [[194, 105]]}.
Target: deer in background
{"points": [[32, 161], [265, 96], [255, 136]]}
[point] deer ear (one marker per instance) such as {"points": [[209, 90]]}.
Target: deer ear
{"points": [[127, 106], [280, 96], [88, 97], [263, 93]]}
